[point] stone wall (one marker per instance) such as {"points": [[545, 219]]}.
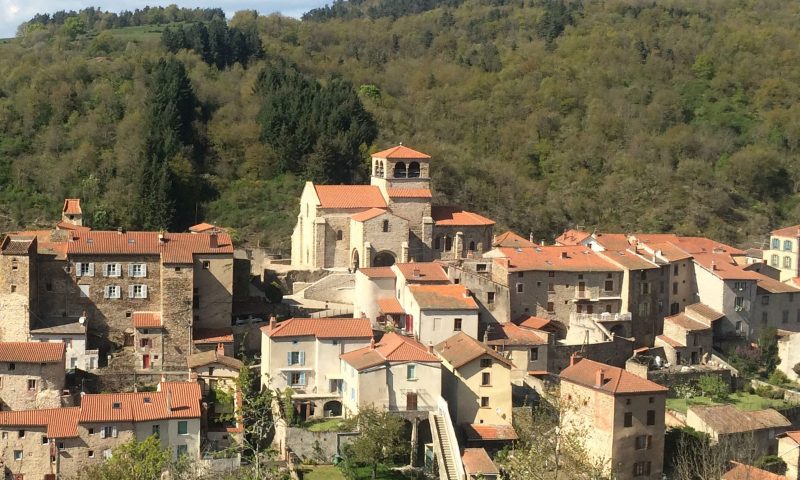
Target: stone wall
{"points": [[337, 288], [615, 353], [176, 315], [671, 378], [481, 285], [16, 290], [304, 443], [213, 284], [14, 392]]}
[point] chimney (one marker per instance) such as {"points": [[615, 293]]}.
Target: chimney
{"points": [[430, 347], [542, 243], [372, 344], [169, 401], [221, 349], [467, 293], [530, 237], [161, 238], [213, 239], [574, 358], [599, 378], [119, 230], [272, 322], [486, 334], [415, 273], [713, 265]]}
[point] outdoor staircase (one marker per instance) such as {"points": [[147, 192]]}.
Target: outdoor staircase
{"points": [[445, 451]]}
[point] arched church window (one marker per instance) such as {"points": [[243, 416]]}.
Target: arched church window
{"points": [[338, 234], [386, 225], [413, 170], [437, 242], [448, 243], [400, 170]]}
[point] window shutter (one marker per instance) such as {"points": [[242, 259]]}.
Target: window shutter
{"points": [[103, 432], [77, 269], [107, 292], [130, 269], [649, 441], [105, 269], [302, 358], [144, 291], [117, 269], [288, 358], [302, 378], [91, 270], [114, 432], [144, 269], [130, 291]]}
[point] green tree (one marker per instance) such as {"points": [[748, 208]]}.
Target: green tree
{"points": [[135, 460], [714, 386], [379, 440]]}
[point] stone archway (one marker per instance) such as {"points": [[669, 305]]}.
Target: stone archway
{"points": [[354, 262], [332, 408], [384, 259]]}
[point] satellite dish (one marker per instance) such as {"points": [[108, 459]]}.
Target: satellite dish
{"points": [[82, 320]]}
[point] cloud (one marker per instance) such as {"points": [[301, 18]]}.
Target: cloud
{"points": [[14, 12]]}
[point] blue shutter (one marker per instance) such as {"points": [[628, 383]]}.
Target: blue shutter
{"points": [[302, 358], [289, 358], [303, 378]]}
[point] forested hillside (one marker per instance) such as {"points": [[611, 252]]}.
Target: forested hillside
{"points": [[668, 116]]}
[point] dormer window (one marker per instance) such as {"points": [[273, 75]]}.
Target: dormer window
{"points": [[146, 400], [116, 405]]}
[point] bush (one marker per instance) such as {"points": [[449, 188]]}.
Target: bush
{"points": [[771, 463], [714, 387], [768, 392]]}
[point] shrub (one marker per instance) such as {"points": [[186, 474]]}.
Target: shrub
{"points": [[714, 387], [779, 378]]}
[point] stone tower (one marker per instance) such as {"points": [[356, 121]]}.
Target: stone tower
{"points": [[72, 213]]}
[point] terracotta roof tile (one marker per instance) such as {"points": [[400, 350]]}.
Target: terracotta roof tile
{"points": [[483, 431], [212, 356], [390, 306], [146, 319], [60, 422], [510, 334], [321, 328], [695, 245], [616, 380], [511, 240], [722, 266], [175, 247], [72, 206], [443, 297], [422, 272], [202, 227], [747, 472], [454, 216], [409, 193], [401, 152], [629, 260], [349, 196], [793, 231], [669, 341], [704, 312], [32, 352], [794, 435], [667, 250], [572, 237], [378, 272], [173, 400], [212, 335], [774, 286], [71, 227], [461, 349], [17, 245], [368, 214], [727, 419], [612, 241], [568, 259], [476, 462], [687, 323], [535, 323], [391, 348]]}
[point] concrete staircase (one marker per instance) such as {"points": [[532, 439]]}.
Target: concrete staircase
{"points": [[335, 288], [445, 451]]}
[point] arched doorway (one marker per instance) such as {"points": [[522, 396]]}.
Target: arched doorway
{"points": [[332, 408], [383, 259], [354, 262], [424, 436]]}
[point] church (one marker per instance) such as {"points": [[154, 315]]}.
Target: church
{"points": [[390, 220]]}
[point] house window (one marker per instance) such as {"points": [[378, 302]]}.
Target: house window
{"points": [[13, 288], [108, 432], [609, 285], [481, 267], [84, 291], [339, 235], [112, 270], [628, 419], [520, 287], [456, 324], [551, 287], [181, 450], [490, 297], [644, 309], [486, 378], [44, 439], [297, 358], [14, 265], [12, 366], [533, 354], [385, 226], [90, 454], [551, 274], [437, 245], [651, 417], [206, 264], [61, 446], [484, 402], [520, 274], [31, 384], [641, 469], [765, 300], [411, 372], [787, 245], [297, 379], [113, 291], [773, 260], [551, 308], [645, 288], [85, 269], [785, 316], [675, 269], [145, 343], [738, 303], [448, 243], [48, 286], [183, 427], [137, 291], [156, 430], [643, 442], [486, 362], [137, 270], [107, 453], [18, 455], [787, 262], [776, 244]]}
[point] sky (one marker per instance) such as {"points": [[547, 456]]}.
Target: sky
{"points": [[14, 12]]}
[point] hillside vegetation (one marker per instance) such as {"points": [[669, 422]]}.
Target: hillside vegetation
{"points": [[617, 115]]}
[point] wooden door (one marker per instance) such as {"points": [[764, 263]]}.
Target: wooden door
{"points": [[411, 401], [145, 361]]}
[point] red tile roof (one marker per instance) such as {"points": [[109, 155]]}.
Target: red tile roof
{"points": [[72, 206], [536, 323], [442, 297], [349, 196], [422, 272], [17, 245], [69, 226], [669, 341], [390, 306], [461, 349], [401, 152], [60, 422], [476, 462], [146, 319], [202, 227], [687, 323], [695, 245], [212, 335], [774, 286], [512, 240], [173, 248], [741, 471], [612, 241], [793, 231], [391, 348], [32, 352], [572, 237], [510, 334], [706, 313], [568, 259], [722, 266], [456, 217], [173, 400], [409, 193], [616, 380], [629, 260], [669, 251], [212, 356], [368, 214], [378, 272], [794, 435], [321, 328], [483, 431]]}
